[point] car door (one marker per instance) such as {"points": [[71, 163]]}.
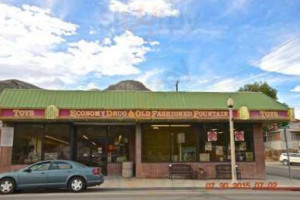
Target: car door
{"points": [[59, 173], [298, 158], [35, 176], [292, 158]]}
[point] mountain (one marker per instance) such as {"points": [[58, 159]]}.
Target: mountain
{"points": [[128, 85], [13, 83], [123, 85]]}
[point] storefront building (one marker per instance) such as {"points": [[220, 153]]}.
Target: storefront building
{"points": [[151, 129]]}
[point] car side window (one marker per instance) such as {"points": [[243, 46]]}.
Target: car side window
{"points": [[60, 165], [41, 166]]}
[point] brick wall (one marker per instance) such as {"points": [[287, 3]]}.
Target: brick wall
{"points": [[5, 157], [114, 169], [161, 170]]}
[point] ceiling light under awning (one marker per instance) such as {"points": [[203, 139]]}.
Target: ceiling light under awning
{"points": [[85, 137], [56, 139], [180, 125], [172, 125]]}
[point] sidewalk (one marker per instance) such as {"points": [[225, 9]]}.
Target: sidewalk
{"points": [[271, 183]]}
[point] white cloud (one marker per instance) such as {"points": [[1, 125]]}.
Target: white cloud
{"points": [[91, 86], [235, 5], [152, 79], [285, 59], [92, 32], [155, 8], [31, 49], [296, 89], [226, 85]]}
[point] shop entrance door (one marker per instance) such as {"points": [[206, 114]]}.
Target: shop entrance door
{"points": [[92, 146], [105, 146]]}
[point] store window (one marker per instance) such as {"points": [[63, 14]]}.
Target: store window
{"points": [[98, 145], [27, 148], [118, 143], [214, 142], [207, 142], [57, 142], [165, 143], [36, 142], [91, 145]]}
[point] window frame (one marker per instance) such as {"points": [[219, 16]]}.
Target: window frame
{"points": [[40, 163]]}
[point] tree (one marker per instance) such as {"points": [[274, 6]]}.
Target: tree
{"points": [[266, 89], [260, 87]]}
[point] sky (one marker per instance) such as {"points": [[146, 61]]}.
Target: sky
{"points": [[208, 45]]}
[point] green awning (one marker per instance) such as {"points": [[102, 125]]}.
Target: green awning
{"points": [[33, 98]]}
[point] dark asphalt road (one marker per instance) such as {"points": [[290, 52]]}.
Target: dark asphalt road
{"points": [[98, 194], [277, 169]]}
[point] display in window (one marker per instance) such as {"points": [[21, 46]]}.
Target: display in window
{"points": [[243, 146], [189, 154], [208, 146], [175, 158], [212, 136], [180, 138], [51, 156], [219, 151], [239, 136], [204, 157], [249, 156], [241, 156], [121, 159]]}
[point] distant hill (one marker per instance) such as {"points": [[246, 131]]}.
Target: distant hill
{"points": [[128, 85], [123, 85], [13, 83]]}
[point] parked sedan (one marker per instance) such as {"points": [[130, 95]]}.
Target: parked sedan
{"points": [[51, 174]]}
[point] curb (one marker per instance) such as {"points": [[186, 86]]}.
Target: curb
{"points": [[197, 188], [280, 189]]}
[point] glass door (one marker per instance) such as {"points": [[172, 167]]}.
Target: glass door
{"points": [[92, 146]]}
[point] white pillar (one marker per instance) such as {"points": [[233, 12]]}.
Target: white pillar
{"points": [[232, 146]]}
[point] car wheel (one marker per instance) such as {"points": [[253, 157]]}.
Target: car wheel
{"points": [[7, 186], [285, 162], [77, 184]]}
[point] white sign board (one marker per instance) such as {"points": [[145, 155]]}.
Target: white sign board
{"points": [[7, 137], [180, 138]]}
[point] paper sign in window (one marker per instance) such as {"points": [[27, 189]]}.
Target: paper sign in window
{"points": [[7, 137]]}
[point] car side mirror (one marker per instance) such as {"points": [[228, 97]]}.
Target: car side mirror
{"points": [[27, 170]]}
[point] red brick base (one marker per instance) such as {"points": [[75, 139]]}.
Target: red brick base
{"points": [[114, 169], [161, 170]]}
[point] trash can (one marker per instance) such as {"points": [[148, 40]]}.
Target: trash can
{"points": [[127, 169]]}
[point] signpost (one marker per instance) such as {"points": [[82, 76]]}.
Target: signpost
{"points": [[285, 126]]}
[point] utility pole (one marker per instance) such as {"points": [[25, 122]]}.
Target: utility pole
{"points": [[232, 140], [177, 83], [287, 151]]}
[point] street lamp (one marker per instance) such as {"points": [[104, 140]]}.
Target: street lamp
{"points": [[232, 145]]}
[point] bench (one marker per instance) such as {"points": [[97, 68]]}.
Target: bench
{"points": [[180, 169], [224, 172]]}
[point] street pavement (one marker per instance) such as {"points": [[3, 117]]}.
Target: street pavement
{"points": [[164, 189], [279, 170], [199, 194]]}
